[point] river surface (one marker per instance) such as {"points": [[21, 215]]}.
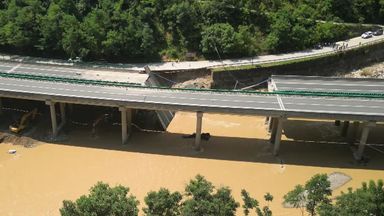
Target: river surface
{"points": [[36, 180]]}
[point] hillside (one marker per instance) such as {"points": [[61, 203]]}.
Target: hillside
{"points": [[143, 30]]}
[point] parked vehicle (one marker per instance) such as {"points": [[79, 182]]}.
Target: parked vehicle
{"points": [[367, 34], [378, 32]]}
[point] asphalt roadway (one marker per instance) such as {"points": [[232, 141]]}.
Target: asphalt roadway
{"points": [[71, 72], [190, 65], [328, 84], [205, 101]]}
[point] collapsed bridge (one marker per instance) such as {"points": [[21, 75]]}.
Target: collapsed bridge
{"points": [[357, 100]]}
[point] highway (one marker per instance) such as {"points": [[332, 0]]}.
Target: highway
{"points": [[190, 65], [188, 100], [71, 72], [328, 84]]}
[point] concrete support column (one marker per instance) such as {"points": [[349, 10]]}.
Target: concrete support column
{"points": [[199, 123], [62, 112], [1, 106], [124, 129], [354, 132], [129, 121], [270, 124], [53, 117], [344, 130], [277, 139], [273, 129], [363, 139]]}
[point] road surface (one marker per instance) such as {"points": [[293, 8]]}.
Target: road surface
{"points": [[205, 101], [188, 65]]}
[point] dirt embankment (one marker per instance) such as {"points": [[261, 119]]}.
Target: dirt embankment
{"points": [[373, 71]]}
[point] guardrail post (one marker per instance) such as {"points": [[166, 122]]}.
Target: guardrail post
{"points": [[199, 122], [53, 117]]}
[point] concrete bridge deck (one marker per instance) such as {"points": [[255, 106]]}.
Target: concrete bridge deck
{"points": [[277, 107]]}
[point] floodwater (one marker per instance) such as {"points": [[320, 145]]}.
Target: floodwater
{"points": [[35, 180]]}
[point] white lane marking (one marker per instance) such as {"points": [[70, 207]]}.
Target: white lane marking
{"points": [[280, 102], [14, 68]]}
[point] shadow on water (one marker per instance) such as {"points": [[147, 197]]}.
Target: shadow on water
{"points": [[307, 143], [335, 153]]}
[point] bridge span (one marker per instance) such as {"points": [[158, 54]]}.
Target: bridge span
{"points": [[276, 105]]}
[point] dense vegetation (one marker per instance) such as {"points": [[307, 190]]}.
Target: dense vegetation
{"points": [[122, 30], [202, 198]]}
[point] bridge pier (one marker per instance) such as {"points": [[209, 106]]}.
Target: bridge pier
{"points": [[354, 132], [344, 130], [273, 129], [52, 109], [126, 122], [63, 114], [277, 132], [363, 139], [199, 123], [270, 123]]}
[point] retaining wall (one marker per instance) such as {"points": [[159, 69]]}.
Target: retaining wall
{"points": [[335, 65]]}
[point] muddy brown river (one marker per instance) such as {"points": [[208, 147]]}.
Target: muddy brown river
{"points": [[36, 180]]}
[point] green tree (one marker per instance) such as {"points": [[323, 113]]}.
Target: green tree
{"points": [[251, 203], [162, 203], [319, 190], [315, 192], [203, 199], [248, 202], [218, 39], [102, 200], [296, 198], [367, 200]]}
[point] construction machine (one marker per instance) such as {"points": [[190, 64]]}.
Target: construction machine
{"points": [[24, 121]]}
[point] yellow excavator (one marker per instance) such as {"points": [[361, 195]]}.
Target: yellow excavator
{"points": [[24, 121]]}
